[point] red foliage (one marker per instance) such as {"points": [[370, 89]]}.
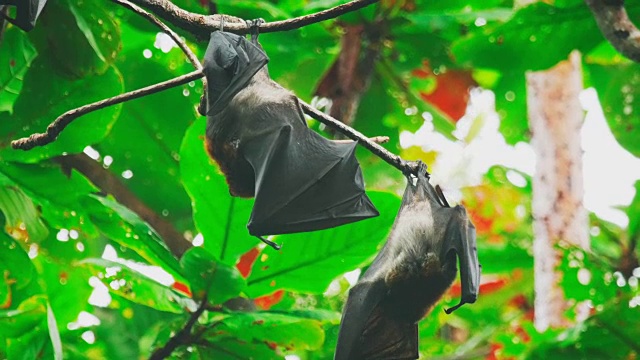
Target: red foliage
{"points": [[486, 287], [451, 93], [183, 288], [267, 301], [246, 261]]}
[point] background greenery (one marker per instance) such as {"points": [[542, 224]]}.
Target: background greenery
{"points": [[58, 223]]}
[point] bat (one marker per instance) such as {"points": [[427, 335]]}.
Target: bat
{"points": [[412, 271], [257, 133], [27, 12]]}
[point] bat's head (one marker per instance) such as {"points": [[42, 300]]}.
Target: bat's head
{"points": [[229, 64]]}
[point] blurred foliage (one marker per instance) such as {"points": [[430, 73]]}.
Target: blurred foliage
{"points": [[82, 276]]}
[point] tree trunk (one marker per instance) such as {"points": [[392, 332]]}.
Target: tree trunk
{"points": [[555, 118]]}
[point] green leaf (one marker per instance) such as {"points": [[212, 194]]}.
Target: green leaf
{"points": [[22, 218], [284, 330], [537, 37], [127, 229], [32, 311], [82, 37], [619, 93], [633, 213], [136, 287], [16, 271], [309, 261], [511, 105], [235, 349], [45, 96], [145, 141], [60, 204], [219, 217], [210, 278], [16, 55]]}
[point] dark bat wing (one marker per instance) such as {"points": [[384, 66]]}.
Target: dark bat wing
{"points": [[368, 332], [27, 12], [304, 182], [460, 237]]}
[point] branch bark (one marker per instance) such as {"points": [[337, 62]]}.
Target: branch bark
{"points": [[202, 25], [617, 28], [111, 184]]}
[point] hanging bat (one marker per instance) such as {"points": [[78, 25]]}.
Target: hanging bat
{"points": [[257, 133], [409, 275], [27, 12]]}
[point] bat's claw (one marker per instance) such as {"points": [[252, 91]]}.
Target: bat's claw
{"points": [[270, 243]]}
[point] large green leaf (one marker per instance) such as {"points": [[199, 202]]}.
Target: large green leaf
{"points": [[21, 320], [16, 56], [220, 218], [536, 37], [47, 95], [210, 278], [284, 330], [127, 229], [145, 141], [309, 261], [17, 274], [60, 204], [136, 287], [22, 218], [633, 212], [619, 93], [82, 37]]}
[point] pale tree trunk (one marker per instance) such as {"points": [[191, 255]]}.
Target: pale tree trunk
{"points": [[555, 118]]}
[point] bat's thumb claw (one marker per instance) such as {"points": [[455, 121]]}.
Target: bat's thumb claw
{"points": [[270, 243], [452, 309]]}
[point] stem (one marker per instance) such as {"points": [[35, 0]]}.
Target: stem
{"points": [[182, 337]]}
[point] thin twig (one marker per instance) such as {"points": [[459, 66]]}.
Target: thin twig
{"points": [[375, 139], [193, 59], [617, 28], [202, 25], [54, 129], [353, 134], [182, 337]]}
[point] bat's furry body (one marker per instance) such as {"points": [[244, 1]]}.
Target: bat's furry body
{"points": [[410, 274]]}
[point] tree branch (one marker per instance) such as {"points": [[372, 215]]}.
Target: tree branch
{"points": [[202, 25], [353, 134], [617, 28], [182, 337], [111, 184], [55, 128]]}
